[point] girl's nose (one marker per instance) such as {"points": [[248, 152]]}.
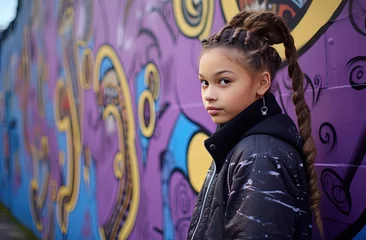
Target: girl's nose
{"points": [[209, 94]]}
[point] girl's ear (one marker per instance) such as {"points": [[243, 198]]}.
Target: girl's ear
{"points": [[264, 83]]}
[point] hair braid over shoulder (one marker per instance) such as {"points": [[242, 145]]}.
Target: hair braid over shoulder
{"points": [[271, 26]]}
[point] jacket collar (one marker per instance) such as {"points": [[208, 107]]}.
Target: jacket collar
{"points": [[228, 135]]}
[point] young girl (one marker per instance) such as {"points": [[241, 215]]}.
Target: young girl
{"points": [[262, 182]]}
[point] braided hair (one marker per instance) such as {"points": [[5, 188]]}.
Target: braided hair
{"points": [[253, 34]]}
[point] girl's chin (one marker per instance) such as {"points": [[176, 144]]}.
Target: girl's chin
{"points": [[219, 119]]}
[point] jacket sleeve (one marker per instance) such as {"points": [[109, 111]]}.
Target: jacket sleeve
{"points": [[260, 203]]}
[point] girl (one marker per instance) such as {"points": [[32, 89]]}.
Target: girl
{"points": [[262, 182]]}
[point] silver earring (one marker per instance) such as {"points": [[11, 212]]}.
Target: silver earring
{"points": [[264, 109]]}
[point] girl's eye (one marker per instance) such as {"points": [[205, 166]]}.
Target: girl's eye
{"points": [[204, 83], [224, 81]]}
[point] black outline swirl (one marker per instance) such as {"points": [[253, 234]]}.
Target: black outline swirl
{"points": [[343, 204], [328, 137], [355, 64]]}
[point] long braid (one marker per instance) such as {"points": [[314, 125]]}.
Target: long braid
{"points": [[275, 30], [304, 123]]}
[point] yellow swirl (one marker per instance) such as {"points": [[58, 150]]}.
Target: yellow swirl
{"points": [[194, 21]]}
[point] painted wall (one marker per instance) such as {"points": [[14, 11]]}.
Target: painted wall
{"points": [[101, 123]]}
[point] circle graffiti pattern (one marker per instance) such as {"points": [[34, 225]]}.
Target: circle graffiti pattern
{"points": [[194, 17]]}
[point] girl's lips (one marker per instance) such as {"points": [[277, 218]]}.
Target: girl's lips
{"points": [[214, 111]]}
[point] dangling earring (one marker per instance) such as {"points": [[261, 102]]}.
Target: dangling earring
{"points": [[264, 109]]}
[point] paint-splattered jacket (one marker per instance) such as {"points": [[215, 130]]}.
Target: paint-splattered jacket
{"points": [[256, 187]]}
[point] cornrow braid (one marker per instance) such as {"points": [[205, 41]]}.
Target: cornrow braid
{"points": [[264, 47], [247, 37], [236, 34], [304, 123], [237, 23], [218, 35]]}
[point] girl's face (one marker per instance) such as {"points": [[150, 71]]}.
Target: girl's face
{"points": [[227, 87]]}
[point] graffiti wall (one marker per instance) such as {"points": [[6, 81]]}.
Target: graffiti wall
{"points": [[101, 123]]}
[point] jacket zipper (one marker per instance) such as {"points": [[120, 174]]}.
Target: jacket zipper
{"points": [[204, 200]]}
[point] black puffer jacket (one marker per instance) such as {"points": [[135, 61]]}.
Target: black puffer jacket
{"points": [[256, 187]]}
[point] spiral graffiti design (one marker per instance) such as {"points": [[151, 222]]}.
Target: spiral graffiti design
{"points": [[194, 17], [337, 192], [356, 68], [328, 135]]}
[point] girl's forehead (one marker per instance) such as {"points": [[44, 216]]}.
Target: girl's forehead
{"points": [[219, 55], [220, 58]]}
